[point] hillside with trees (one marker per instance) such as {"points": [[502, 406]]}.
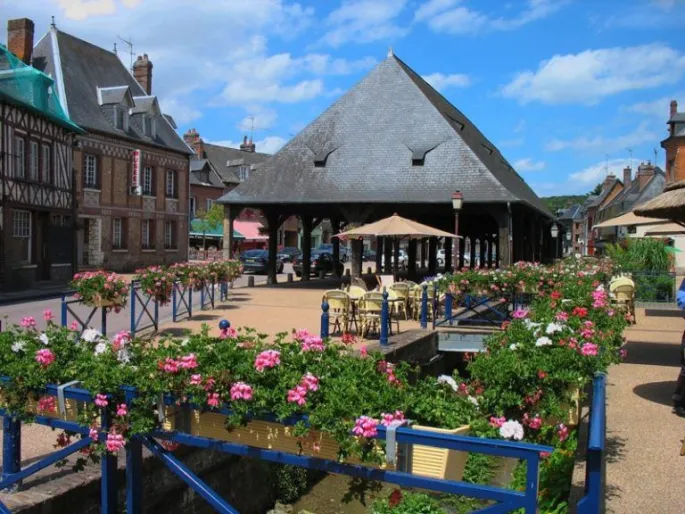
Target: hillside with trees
{"points": [[562, 202]]}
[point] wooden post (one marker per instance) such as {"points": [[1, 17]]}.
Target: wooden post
{"points": [[228, 232], [473, 253], [482, 242], [306, 247], [460, 252], [432, 255], [491, 243], [396, 256], [449, 243], [356, 260], [379, 254], [411, 265], [335, 227], [387, 250], [272, 265]]}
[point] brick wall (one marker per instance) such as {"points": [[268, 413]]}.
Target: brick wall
{"points": [[204, 193], [675, 159]]}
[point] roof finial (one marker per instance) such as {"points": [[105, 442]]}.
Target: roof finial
{"points": [[390, 52], [52, 23]]}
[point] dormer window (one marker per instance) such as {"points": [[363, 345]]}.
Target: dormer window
{"points": [[243, 173], [119, 117], [148, 126]]}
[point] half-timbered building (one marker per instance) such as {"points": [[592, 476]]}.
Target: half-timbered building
{"points": [[38, 207]]}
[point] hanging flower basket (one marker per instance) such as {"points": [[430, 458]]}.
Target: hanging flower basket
{"points": [[191, 275], [157, 282], [101, 289]]}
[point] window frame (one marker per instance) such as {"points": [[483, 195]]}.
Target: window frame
{"points": [[209, 202], [29, 231], [174, 189], [86, 183], [170, 235], [34, 160], [150, 243], [192, 206], [243, 172], [122, 233], [119, 116], [151, 190], [47, 174], [19, 157]]}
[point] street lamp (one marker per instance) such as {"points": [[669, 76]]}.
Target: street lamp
{"points": [[457, 202], [555, 233]]}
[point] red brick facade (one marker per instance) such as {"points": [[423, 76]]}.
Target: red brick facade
{"points": [[675, 147]]}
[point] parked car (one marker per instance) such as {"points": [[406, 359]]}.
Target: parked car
{"points": [[403, 260], [441, 258], [328, 248], [288, 253], [369, 256], [320, 261], [256, 261]]}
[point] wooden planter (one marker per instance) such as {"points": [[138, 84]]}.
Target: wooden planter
{"points": [[72, 408], [572, 410], [420, 460]]}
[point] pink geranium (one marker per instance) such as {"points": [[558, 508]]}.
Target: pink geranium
{"points": [[534, 423], [188, 361], [310, 382], [497, 422], [589, 349], [121, 339], [213, 399], [93, 434], [195, 379], [301, 334], [228, 333], [520, 314], [114, 443], [363, 352], [47, 404], [122, 410], [101, 400], [28, 322], [73, 326], [241, 391], [387, 419], [47, 315], [45, 357], [298, 395], [313, 344], [562, 432], [267, 359], [562, 316], [365, 426]]}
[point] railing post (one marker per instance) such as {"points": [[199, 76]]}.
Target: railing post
{"points": [[108, 467], [156, 314], [133, 308], [173, 303], [134, 465], [591, 502], [64, 310], [424, 307], [104, 321], [324, 320], [385, 319], [448, 307], [11, 447], [202, 298], [190, 302], [434, 304], [532, 478], [213, 295]]}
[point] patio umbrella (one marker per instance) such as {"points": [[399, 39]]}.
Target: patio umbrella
{"points": [[668, 205], [394, 226]]}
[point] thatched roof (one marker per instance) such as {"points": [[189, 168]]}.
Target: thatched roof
{"points": [[668, 205]]}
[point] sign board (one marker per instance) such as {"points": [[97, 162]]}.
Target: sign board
{"points": [[135, 173]]}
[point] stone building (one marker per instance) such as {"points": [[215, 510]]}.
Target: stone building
{"points": [[131, 168], [674, 145], [36, 138]]}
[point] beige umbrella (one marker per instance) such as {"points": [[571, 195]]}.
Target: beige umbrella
{"points": [[394, 226], [630, 218], [668, 205]]}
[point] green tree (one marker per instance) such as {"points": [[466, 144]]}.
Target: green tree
{"points": [[206, 221], [597, 190]]}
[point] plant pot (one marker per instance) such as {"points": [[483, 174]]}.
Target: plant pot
{"points": [[429, 461], [72, 408], [572, 409], [100, 303]]}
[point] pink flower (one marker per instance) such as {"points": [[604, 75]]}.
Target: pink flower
{"points": [[534, 423], [387, 419], [365, 426], [497, 422], [241, 391], [93, 434], [313, 344], [520, 313], [188, 361], [101, 400], [122, 410], [363, 352], [562, 432], [74, 325], [228, 333], [589, 349], [611, 312], [542, 375], [267, 359], [297, 394], [122, 338], [301, 334], [310, 382], [168, 365], [562, 316], [623, 353], [195, 380], [544, 455], [45, 357], [209, 384], [213, 399], [28, 322], [47, 404], [587, 333], [47, 315], [114, 443]]}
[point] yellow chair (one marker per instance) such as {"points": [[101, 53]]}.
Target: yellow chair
{"points": [[401, 289], [358, 282], [396, 302], [418, 300], [622, 293], [370, 307], [338, 309]]}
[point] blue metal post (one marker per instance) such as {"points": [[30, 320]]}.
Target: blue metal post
{"points": [[531, 499], [190, 302], [434, 304], [592, 501], [11, 446], [324, 320], [134, 466], [448, 307], [424, 307], [108, 467], [133, 308], [202, 298], [213, 296], [64, 310], [156, 314], [385, 319], [104, 321], [173, 303]]}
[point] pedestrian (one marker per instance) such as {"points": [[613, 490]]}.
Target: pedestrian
{"points": [[679, 393]]}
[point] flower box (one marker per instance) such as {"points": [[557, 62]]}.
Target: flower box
{"points": [[572, 417], [100, 302], [421, 460], [72, 408]]}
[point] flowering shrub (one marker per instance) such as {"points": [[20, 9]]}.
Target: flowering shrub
{"points": [[190, 275], [157, 282], [101, 289]]}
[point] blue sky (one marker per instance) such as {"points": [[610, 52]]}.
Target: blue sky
{"points": [[564, 88]]}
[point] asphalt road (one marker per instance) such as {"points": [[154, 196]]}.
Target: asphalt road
{"points": [[12, 314]]}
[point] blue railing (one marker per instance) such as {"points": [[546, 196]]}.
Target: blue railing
{"points": [[182, 301], [507, 500], [146, 319], [82, 322], [207, 295], [594, 499], [385, 320]]}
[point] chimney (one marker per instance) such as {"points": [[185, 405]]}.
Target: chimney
{"points": [[608, 182], [20, 38], [674, 109], [193, 140], [142, 71], [627, 174], [645, 172], [247, 147]]}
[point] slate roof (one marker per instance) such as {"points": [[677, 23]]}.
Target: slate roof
{"points": [[79, 69], [226, 161], [203, 174], [596, 200], [391, 138], [630, 196], [570, 213]]}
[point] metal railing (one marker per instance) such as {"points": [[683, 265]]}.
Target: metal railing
{"points": [[593, 502], [145, 316]]}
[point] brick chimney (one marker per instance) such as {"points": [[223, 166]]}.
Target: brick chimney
{"points": [[20, 38], [194, 141], [142, 71], [674, 109], [608, 182], [627, 174], [247, 147], [645, 172]]}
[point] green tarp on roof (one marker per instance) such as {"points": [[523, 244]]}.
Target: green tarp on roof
{"points": [[216, 232]]}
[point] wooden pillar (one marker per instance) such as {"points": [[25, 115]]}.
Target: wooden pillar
{"points": [[473, 252], [423, 254], [495, 242], [432, 255], [272, 266], [356, 260], [306, 247], [461, 245], [335, 227], [228, 232], [379, 254], [449, 243], [491, 243], [483, 250], [387, 251], [395, 256], [411, 265]]}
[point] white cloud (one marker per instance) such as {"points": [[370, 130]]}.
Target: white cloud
{"points": [[83, 9], [440, 81], [448, 16], [528, 164], [590, 76], [364, 21], [182, 112], [520, 127], [270, 144], [594, 174], [641, 134], [259, 118], [243, 91], [659, 108]]}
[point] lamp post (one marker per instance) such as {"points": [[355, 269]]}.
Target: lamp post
{"points": [[457, 202], [555, 233]]}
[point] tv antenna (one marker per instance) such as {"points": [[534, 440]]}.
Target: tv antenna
{"points": [[130, 49], [656, 153], [630, 151], [606, 164]]}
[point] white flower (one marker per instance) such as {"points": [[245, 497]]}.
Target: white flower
{"points": [[446, 379], [511, 430], [100, 348], [91, 335], [543, 341], [18, 346], [44, 339], [553, 328], [530, 325], [473, 400], [123, 356], [513, 346], [185, 341], [600, 287]]}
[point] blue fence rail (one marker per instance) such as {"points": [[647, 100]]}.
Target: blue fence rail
{"points": [[593, 502], [182, 301], [82, 323], [140, 301], [506, 500]]}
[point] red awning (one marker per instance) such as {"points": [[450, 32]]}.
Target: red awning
{"points": [[251, 230]]}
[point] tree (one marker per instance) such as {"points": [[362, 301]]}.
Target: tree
{"points": [[597, 190], [206, 221]]}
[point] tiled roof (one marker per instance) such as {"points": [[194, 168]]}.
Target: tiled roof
{"points": [[226, 160], [203, 174], [391, 138]]}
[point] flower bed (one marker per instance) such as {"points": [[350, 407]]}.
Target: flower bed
{"points": [[101, 289]]}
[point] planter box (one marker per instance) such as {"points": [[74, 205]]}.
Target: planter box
{"points": [[72, 408], [420, 460], [572, 417]]}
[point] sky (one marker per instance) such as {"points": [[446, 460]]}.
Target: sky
{"points": [[566, 89]]}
